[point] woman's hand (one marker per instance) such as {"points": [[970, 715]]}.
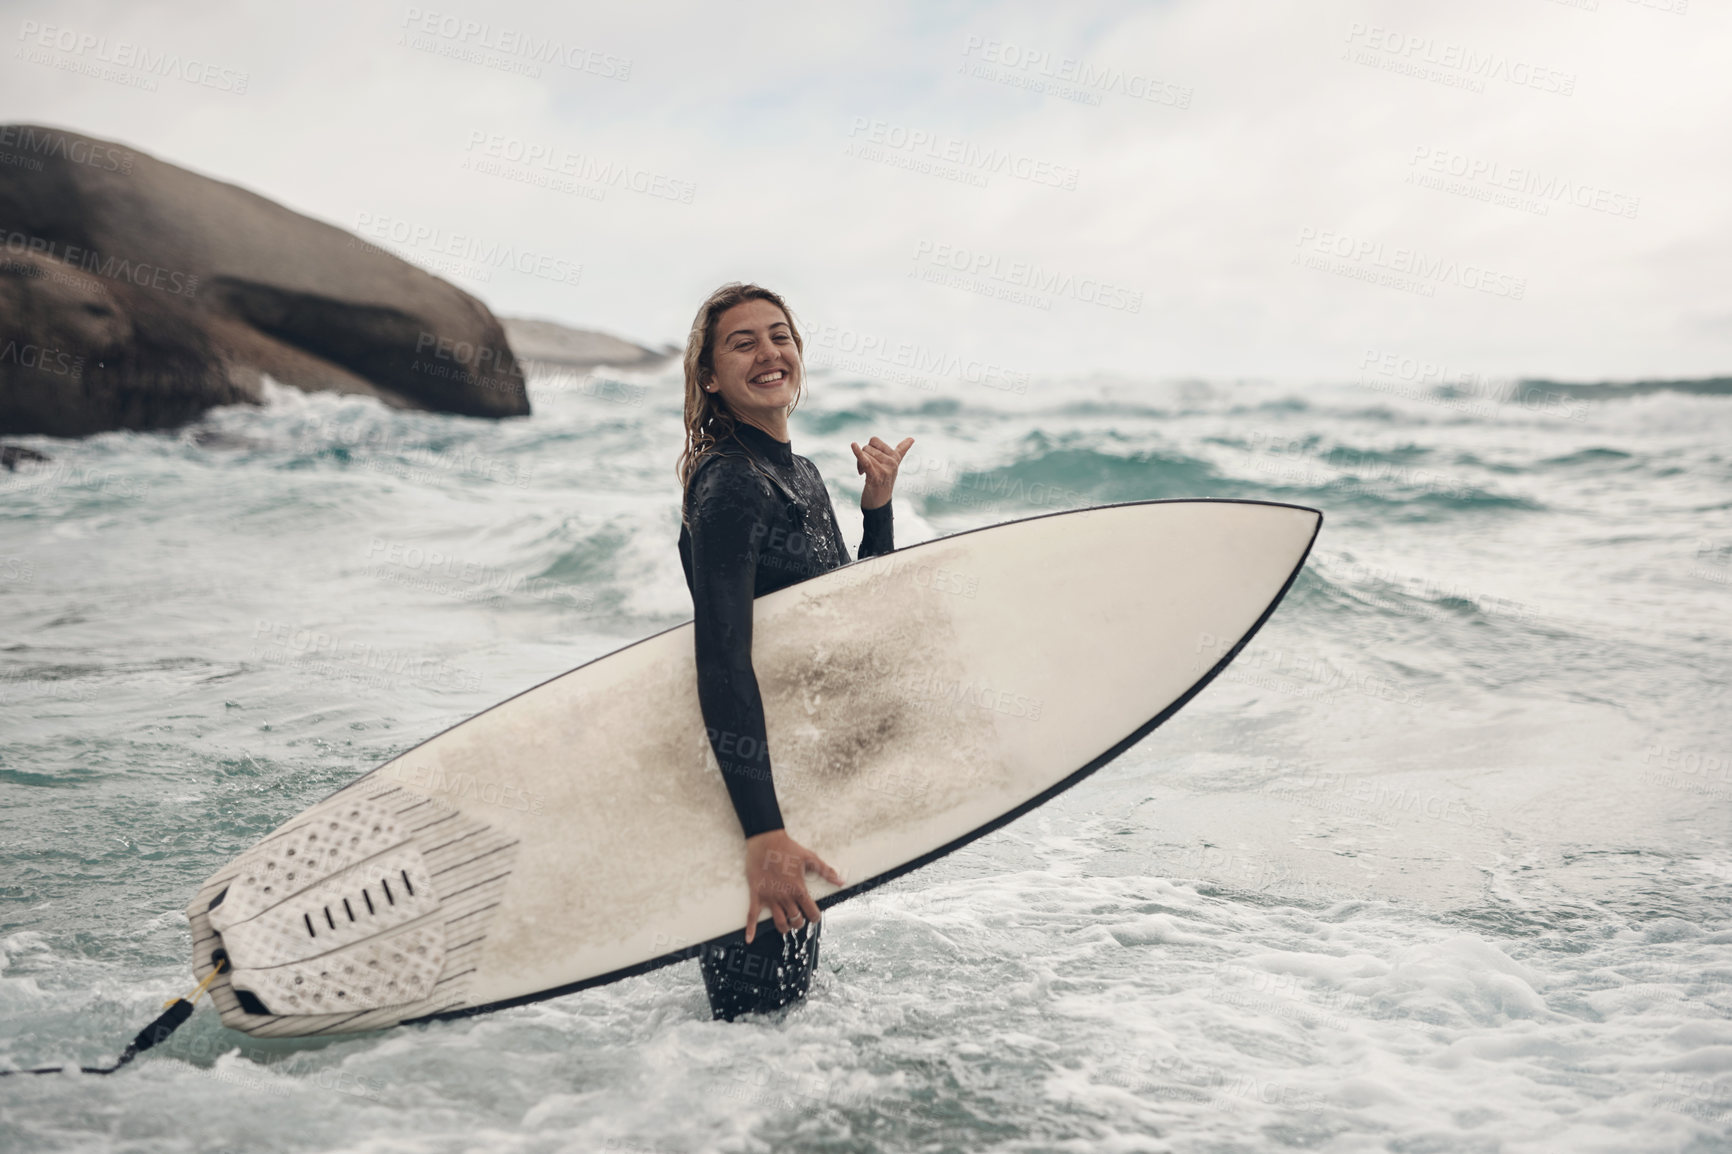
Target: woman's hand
{"points": [[879, 462], [776, 875]]}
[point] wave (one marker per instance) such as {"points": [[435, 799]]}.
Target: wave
{"points": [[1592, 456], [1622, 390], [1071, 477], [826, 422], [1340, 583]]}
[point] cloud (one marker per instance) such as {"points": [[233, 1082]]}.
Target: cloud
{"points": [[1280, 185]]}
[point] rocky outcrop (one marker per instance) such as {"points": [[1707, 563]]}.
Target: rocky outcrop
{"points": [[11, 456], [135, 294], [541, 344]]}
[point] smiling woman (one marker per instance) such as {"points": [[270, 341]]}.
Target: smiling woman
{"points": [[757, 518]]}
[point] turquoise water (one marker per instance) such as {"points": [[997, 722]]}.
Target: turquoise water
{"points": [[1442, 863]]}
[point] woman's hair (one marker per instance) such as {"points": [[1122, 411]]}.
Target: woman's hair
{"points": [[708, 420]]}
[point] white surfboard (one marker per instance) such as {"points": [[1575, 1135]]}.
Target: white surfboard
{"points": [[580, 831]]}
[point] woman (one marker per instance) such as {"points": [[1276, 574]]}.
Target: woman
{"points": [[757, 518]]}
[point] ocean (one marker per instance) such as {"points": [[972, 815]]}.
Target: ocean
{"points": [[1443, 862]]}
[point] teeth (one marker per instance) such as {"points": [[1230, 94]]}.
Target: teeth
{"points": [[768, 377]]}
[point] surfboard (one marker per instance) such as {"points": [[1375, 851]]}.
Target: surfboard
{"points": [[580, 832]]}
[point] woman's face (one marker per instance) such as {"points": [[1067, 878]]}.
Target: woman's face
{"points": [[757, 366]]}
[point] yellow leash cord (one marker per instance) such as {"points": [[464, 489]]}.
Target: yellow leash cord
{"points": [[177, 1010]]}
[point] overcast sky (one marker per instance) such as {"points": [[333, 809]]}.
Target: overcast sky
{"points": [[1221, 188]]}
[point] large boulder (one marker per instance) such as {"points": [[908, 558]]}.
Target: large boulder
{"points": [[550, 345], [135, 294], [81, 353]]}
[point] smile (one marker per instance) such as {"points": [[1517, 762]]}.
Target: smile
{"points": [[774, 377]]}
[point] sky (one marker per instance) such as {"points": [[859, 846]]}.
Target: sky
{"points": [[1226, 189]]}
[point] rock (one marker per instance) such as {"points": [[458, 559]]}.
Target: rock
{"points": [[12, 455], [548, 343], [135, 294], [81, 353]]}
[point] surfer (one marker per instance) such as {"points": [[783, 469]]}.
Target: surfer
{"points": [[756, 518]]}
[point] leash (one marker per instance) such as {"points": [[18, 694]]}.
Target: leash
{"points": [[177, 1011]]}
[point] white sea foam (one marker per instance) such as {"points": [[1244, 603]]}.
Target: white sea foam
{"points": [[1420, 872]]}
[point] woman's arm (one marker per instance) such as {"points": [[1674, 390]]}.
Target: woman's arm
{"points": [[726, 503], [879, 534], [879, 462], [728, 509]]}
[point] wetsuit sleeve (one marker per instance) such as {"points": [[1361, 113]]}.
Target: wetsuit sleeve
{"points": [[727, 510], [878, 536]]}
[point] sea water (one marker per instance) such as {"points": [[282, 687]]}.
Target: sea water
{"points": [[1442, 862]]}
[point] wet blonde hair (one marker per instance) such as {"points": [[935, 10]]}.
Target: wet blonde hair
{"points": [[708, 420]]}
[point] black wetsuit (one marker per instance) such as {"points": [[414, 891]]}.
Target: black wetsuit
{"points": [[757, 519]]}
